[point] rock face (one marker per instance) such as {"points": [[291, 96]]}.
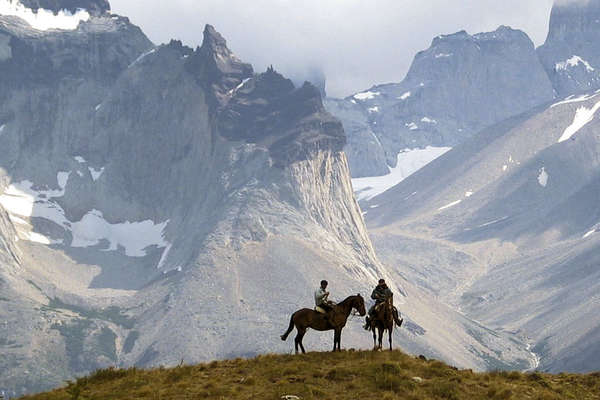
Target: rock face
{"points": [[454, 89], [571, 53]]}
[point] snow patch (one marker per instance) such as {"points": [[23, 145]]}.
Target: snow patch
{"points": [[573, 62], [583, 116], [43, 19], [238, 87], [37, 238], [16, 220], [575, 99], [376, 138], [164, 255], [404, 96], [543, 177], [443, 55], [428, 120], [409, 161], [492, 222], [374, 109], [469, 194], [2, 128], [368, 95], [79, 159], [62, 178], [21, 200], [134, 237], [96, 174], [590, 233], [412, 126], [141, 57], [454, 203], [98, 107]]}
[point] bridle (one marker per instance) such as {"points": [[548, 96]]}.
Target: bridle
{"points": [[354, 312]]}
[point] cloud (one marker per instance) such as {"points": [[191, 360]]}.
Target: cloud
{"points": [[356, 43]]}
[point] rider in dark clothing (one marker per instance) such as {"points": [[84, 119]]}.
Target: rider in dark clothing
{"points": [[380, 294]]}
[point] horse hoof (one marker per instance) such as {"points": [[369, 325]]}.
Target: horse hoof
{"points": [[282, 338]]}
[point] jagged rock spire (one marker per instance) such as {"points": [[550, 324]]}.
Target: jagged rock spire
{"points": [[216, 67]]}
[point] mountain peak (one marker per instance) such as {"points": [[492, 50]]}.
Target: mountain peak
{"points": [[213, 39], [216, 67]]}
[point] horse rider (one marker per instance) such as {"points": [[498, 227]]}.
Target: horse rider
{"points": [[321, 299], [380, 294]]}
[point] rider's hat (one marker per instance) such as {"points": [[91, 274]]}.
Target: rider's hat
{"points": [[381, 281], [323, 282]]}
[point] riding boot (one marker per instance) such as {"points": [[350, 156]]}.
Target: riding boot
{"points": [[397, 320]]}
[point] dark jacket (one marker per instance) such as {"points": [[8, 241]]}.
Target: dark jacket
{"points": [[380, 293]]}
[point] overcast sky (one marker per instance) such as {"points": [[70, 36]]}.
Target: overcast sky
{"points": [[357, 43]]}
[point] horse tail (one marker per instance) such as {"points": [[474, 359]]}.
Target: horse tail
{"points": [[289, 329]]}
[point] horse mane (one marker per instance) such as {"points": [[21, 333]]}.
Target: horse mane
{"points": [[348, 299]]}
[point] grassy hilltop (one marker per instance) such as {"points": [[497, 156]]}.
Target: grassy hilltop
{"points": [[348, 375]]}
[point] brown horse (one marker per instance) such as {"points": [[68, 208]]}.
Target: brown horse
{"points": [[383, 319], [307, 318]]}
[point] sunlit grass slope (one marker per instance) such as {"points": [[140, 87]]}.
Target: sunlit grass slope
{"points": [[346, 375]]}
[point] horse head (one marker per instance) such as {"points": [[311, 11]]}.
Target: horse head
{"points": [[359, 304]]}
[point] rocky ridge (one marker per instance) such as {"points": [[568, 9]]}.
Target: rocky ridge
{"points": [[460, 85]]}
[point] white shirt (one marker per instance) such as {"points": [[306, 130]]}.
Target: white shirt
{"points": [[320, 296]]}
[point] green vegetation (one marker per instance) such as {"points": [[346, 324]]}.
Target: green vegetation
{"points": [[74, 334], [112, 314], [130, 341], [107, 344], [335, 376]]}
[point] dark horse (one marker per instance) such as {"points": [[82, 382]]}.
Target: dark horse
{"points": [[307, 318], [383, 319]]}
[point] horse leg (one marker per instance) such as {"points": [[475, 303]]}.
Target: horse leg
{"points": [[334, 339], [298, 338], [390, 334], [374, 329], [339, 340], [380, 337]]}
